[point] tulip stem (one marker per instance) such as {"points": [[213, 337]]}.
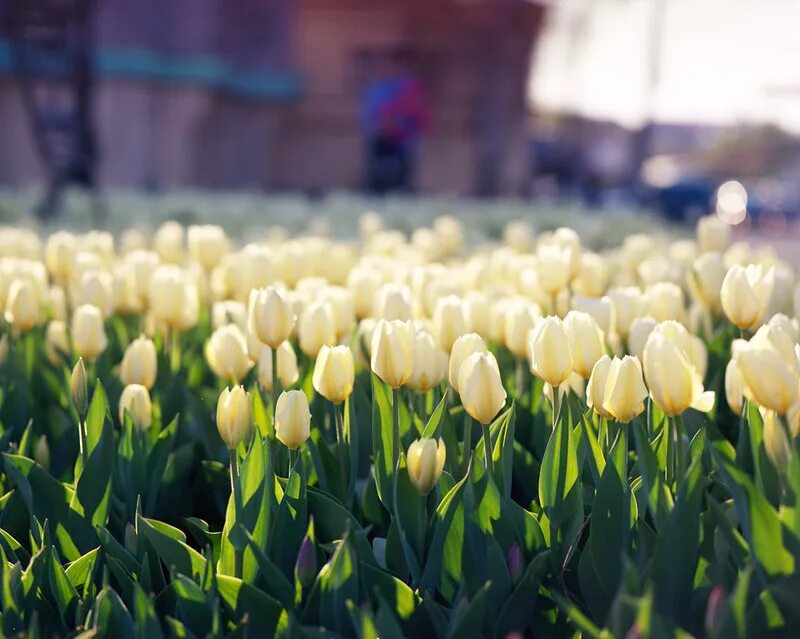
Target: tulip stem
{"points": [[422, 522], [274, 355], [556, 405], [395, 427], [680, 448], [341, 450], [467, 441], [236, 489], [82, 443], [487, 448], [520, 378]]}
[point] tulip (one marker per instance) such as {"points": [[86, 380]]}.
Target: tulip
{"points": [[673, 381], [769, 371], [316, 328], [229, 312], [272, 316], [23, 306], [392, 352], [705, 280], [393, 302], [519, 235], [625, 391], [363, 284], [287, 366], [664, 301], [745, 294], [628, 305], [305, 567], [344, 315], [549, 352], [79, 388], [56, 303], [691, 345], [139, 364], [57, 341], [174, 298], [519, 321], [96, 288], [292, 419], [207, 244], [592, 279], [58, 255], [640, 331], [226, 353], [776, 442], [425, 461], [233, 416], [586, 342], [476, 309], [168, 242], [430, 363], [553, 268], [334, 373], [600, 308], [596, 388], [88, 332], [449, 321], [463, 347], [734, 386], [480, 387], [713, 235], [135, 400]]}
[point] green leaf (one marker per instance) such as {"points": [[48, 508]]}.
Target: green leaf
{"points": [[170, 544], [338, 582], [199, 529], [382, 439], [468, 616], [433, 429], [658, 495], [111, 617], [64, 593], [331, 519], [93, 490], [518, 611], [443, 565], [291, 522], [275, 583], [80, 569]]}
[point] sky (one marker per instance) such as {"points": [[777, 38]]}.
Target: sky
{"points": [[720, 61]]}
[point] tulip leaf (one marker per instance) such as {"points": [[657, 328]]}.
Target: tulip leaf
{"points": [[170, 544], [62, 589], [433, 429], [659, 497], [81, 568], [93, 490], [332, 519], [518, 610], [291, 522], [111, 617], [469, 616], [766, 478], [382, 444], [410, 518], [338, 581]]}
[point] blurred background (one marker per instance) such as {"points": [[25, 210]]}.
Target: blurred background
{"points": [[677, 107]]}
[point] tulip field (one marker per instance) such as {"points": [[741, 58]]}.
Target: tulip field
{"points": [[398, 434]]}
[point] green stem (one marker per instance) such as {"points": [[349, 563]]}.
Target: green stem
{"points": [[341, 448], [83, 444], [422, 521], [680, 445], [519, 381], [274, 355], [467, 442], [236, 488], [556, 405], [487, 448], [395, 427], [670, 470]]}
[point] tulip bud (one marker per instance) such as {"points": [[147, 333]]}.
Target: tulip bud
{"points": [[745, 294], [640, 331], [596, 388], [88, 332], [549, 352], [480, 387], [272, 316], [79, 388], [3, 350], [173, 296], [363, 284], [292, 419], [600, 308], [425, 461], [713, 234], [392, 351], [305, 568], [673, 380], [226, 353], [334, 373], [135, 399], [553, 268], [208, 244], [586, 341], [233, 416], [520, 319], [139, 364], [23, 306], [476, 309], [664, 301], [59, 253], [42, 453], [344, 315], [705, 279], [463, 347], [625, 391], [430, 363], [229, 312], [316, 328], [769, 370], [515, 562], [449, 321], [776, 442], [592, 279], [393, 302], [287, 366], [628, 305], [168, 242], [734, 386], [56, 303], [56, 341], [96, 288]]}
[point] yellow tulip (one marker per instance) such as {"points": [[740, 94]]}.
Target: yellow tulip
{"points": [[776, 442], [628, 305], [430, 363], [425, 461], [625, 391], [705, 280], [520, 318], [363, 284], [344, 314], [287, 366], [95, 288], [207, 244], [600, 308], [79, 388], [553, 268], [664, 301], [58, 255], [596, 388], [393, 302], [226, 353], [334, 373], [139, 364], [392, 352], [88, 332], [592, 279], [449, 321], [173, 297], [168, 242], [713, 234], [640, 331], [272, 316], [745, 294], [734, 386], [586, 341], [292, 419], [316, 328], [673, 380], [476, 308], [549, 353], [480, 387], [233, 416], [463, 347], [57, 341], [770, 370], [135, 399], [23, 306]]}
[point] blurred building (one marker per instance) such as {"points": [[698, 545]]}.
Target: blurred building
{"points": [[266, 93]]}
